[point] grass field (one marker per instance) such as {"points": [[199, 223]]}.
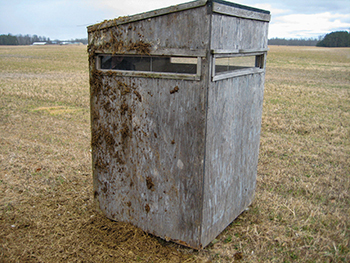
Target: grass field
{"points": [[301, 211]]}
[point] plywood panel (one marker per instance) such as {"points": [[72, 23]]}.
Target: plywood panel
{"points": [[148, 154], [232, 9], [187, 30], [232, 147], [238, 33]]}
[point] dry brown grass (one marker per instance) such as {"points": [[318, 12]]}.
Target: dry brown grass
{"points": [[301, 210]]}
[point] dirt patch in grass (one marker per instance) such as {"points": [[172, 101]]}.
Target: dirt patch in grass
{"points": [[302, 204]]}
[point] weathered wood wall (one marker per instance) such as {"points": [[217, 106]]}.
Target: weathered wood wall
{"points": [[183, 31], [176, 157], [232, 147], [233, 123], [148, 154], [230, 32], [148, 142]]}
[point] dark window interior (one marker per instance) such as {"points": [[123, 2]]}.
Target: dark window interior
{"points": [[223, 64], [149, 63]]}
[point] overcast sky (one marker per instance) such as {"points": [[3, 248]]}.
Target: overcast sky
{"points": [[68, 19]]}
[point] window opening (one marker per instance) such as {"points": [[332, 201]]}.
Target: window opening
{"points": [[233, 65], [184, 65]]}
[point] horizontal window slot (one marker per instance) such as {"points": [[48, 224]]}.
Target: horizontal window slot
{"points": [[234, 65], [148, 64]]}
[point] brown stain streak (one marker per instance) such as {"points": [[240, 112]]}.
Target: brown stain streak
{"points": [[176, 89], [150, 184]]}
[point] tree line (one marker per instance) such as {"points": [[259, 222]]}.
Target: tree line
{"points": [[293, 42], [21, 40], [29, 40], [333, 39]]}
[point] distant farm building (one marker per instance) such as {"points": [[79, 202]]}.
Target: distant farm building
{"points": [[39, 43], [70, 43]]}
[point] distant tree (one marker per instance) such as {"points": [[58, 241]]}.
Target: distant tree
{"points": [[8, 40], [35, 38], [335, 39], [29, 40], [24, 40]]}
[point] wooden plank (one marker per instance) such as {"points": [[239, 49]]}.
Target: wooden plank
{"points": [[168, 52], [260, 50], [199, 68], [224, 51], [161, 33], [237, 73], [156, 75], [239, 12], [237, 53], [147, 15], [179, 52], [246, 34]]}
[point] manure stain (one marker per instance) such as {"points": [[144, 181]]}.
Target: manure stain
{"points": [[124, 108], [125, 131], [104, 189], [147, 208], [125, 91], [117, 45], [150, 184], [138, 95], [118, 159], [176, 89]]}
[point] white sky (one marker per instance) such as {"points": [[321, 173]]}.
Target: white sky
{"points": [[68, 19]]}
